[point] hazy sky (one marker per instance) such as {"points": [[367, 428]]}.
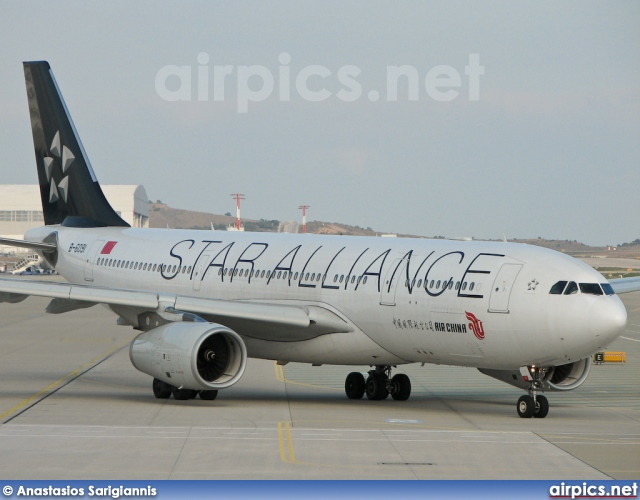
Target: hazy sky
{"points": [[551, 146]]}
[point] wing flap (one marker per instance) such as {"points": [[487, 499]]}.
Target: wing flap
{"points": [[263, 313], [83, 293]]}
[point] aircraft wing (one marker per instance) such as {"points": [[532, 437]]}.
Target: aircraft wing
{"points": [[264, 320], [625, 285]]}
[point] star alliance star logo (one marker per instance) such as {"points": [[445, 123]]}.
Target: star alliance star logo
{"points": [[60, 190], [533, 284]]}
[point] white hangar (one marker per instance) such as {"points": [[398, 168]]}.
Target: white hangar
{"points": [[21, 208]]}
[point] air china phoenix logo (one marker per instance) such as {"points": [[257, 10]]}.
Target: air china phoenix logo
{"points": [[475, 325]]}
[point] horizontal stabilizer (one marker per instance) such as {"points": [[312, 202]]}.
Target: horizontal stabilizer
{"points": [[33, 245]]}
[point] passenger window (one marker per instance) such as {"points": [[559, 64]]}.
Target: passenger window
{"points": [[341, 278], [431, 284], [471, 285], [591, 288], [353, 279], [295, 276], [558, 288], [571, 289], [279, 274], [464, 286], [451, 285], [364, 281], [313, 276], [457, 285], [188, 269], [262, 274], [419, 283], [335, 278]]}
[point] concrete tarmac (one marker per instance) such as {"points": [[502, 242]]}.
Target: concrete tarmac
{"points": [[73, 407]]}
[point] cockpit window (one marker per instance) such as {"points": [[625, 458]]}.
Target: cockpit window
{"points": [[591, 288], [571, 288], [558, 288], [608, 289]]}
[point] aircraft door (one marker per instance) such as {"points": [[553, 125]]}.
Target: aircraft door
{"points": [[200, 269], [91, 257], [395, 275], [501, 291]]}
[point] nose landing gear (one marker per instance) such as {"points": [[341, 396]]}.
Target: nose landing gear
{"points": [[534, 404], [378, 385]]}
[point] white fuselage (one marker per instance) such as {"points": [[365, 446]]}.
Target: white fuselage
{"points": [[481, 304]]}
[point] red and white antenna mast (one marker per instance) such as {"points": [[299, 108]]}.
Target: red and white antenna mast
{"points": [[238, 197], [304, 217]]}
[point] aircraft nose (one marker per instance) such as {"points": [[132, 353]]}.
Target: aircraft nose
{"points": [[607, 318]]}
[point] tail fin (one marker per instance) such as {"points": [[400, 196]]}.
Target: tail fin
{"points": [[70, 192]]}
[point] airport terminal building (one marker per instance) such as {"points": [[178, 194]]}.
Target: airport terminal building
{"points": [[21, 209]]}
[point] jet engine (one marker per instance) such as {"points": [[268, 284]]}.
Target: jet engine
{"points": [[556, 378], [199, 356]]}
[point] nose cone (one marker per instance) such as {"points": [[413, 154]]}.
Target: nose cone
{"points": [[607, 319]]}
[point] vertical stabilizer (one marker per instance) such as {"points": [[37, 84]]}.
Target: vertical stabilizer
{"points": [[69, 189]]}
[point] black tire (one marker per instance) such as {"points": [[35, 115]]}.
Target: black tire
{"points": [[542, 407], [183, 394], [161, 390], [401, 387], [208, 395], [525, 407], [376, 388], [354, 385]]}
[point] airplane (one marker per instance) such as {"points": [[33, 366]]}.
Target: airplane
{"points": [[206, 301]]}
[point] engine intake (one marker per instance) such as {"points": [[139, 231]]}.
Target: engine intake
{"points": [[568, 377], [200, 356], [557, 378]]}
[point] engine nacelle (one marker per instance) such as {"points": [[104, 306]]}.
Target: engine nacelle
{"points": [[556, 378], [200, 356], [568, 377]]}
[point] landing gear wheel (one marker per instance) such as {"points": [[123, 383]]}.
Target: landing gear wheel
{"points": [[400, 387], [376, 387], [526, 407], [542, 407], [208, 395], [161, 390], [183, 394], [354, 385]]}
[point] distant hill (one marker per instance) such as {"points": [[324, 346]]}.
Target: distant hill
{"points": [[162, 216]]}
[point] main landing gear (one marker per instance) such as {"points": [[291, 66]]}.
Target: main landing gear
{"points": [[162, 390], [378, 385], [534, 404]]}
